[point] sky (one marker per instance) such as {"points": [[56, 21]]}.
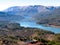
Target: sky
{"points": [[4, 4]]}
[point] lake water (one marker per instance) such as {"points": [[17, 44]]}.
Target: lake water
{"points": [[34, 25]]}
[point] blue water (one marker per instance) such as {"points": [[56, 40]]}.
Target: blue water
{"points": [[34, 25]]}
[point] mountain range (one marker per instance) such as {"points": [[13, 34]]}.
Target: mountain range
{"points": [[37, 13]]}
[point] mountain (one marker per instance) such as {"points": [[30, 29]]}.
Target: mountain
{"points": [[20, 10], [9, 18], [53, 19], [30, 12], [37, 13]]}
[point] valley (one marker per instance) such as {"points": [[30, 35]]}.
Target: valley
{"points": [[30, 25]]}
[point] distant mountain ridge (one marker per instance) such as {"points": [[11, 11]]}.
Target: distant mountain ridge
{"points": [[29, 13]]}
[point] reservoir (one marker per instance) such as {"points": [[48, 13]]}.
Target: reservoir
{"points": [[34, 25]]}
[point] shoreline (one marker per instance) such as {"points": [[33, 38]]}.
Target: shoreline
{"points": [[52, 26], [55, 26]]}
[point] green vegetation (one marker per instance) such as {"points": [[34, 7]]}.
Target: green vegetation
{"points": [[12, 33]]}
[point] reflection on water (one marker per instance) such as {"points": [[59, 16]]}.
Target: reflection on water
{"points": [[34, 25]]}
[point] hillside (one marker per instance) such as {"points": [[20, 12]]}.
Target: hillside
{"points": [[9, 18], [39, 14], [29, 12], [53, 20], [12, 33]]}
